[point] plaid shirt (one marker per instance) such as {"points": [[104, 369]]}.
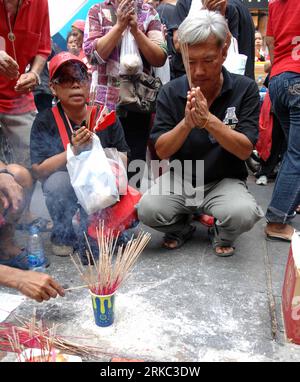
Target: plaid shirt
{"points": [[101, 18]]}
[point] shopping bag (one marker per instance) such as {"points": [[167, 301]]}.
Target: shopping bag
{"points": [[235, 62], [118, 169], [163, 72], [130, 59], [92, 178]]}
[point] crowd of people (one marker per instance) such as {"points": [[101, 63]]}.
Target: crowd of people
{"points": [[206, 114]]}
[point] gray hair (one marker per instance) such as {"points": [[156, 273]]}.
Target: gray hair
{"points": [[196, 29]]}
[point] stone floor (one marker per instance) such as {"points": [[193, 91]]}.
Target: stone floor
{"points": [[184, 305]]}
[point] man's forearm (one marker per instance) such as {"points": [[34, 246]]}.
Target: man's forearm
{"points": [[234, 142], [9, 276], [38, 64], [170, 142]]}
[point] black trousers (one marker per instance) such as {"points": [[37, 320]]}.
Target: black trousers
{"points": [[136, 129]]}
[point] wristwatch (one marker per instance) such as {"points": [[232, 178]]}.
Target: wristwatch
{"points": [[5, 171]]}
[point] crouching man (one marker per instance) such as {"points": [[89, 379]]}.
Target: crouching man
{"points": [[214, 121]]}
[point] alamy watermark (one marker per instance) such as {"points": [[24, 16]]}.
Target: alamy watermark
{"points": [[164, 178]]}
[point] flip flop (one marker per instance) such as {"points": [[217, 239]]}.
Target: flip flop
{"points": [[278, 237], [179, 238], [211, 235]]}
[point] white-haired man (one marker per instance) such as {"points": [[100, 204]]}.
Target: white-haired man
{"points": [[216, 121]]}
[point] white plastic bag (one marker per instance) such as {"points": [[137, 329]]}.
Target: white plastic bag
{"points": [[196, 5], [130, 59], [235, 62], [163, 72], [92, 178], [118, 169]]}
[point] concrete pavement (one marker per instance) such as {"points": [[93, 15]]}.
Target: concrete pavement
{"points": [[186, 304]]}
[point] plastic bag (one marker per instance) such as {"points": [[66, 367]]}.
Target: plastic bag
{"points": [[92, 178], [163, 72], [118, 169], [196, 5], [130, 59], [235, 62]]}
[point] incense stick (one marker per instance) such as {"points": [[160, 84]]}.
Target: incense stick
{"points": [[106, 275], [186, 61], [78, 287]]}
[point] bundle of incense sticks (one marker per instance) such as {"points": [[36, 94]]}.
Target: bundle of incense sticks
{"points": [[34, 334], [105, 276], [186, 61], [36, 337]]}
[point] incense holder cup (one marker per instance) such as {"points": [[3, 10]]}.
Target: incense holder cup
{"points": [[104, 309]]}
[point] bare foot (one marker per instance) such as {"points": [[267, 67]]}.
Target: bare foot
{"points": [[223, 251], [170, 244]]}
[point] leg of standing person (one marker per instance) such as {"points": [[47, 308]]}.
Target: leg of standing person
{"points": [[136, 129], [17, 129], [285, 96]]}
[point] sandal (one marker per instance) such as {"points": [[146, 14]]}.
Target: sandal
{"points": [[211, 235], [179, 238], [277, 236]]}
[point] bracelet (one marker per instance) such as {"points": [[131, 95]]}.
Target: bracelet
{"points": [[37, 76], [206, 122]]}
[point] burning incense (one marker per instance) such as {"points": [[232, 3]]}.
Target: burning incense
{"points": [[106, 275]]}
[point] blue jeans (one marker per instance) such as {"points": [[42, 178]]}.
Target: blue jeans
{"points": [[285, 96], [61, 202]]}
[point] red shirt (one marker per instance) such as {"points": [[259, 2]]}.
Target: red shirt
{"points": [[32, 31], [284, 26]]}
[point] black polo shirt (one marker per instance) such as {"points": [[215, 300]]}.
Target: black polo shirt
{"points": [[181, 12], [239, 92], [45, 141]]}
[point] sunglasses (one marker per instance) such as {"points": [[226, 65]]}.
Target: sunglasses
{"points": [[77, 74]]}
